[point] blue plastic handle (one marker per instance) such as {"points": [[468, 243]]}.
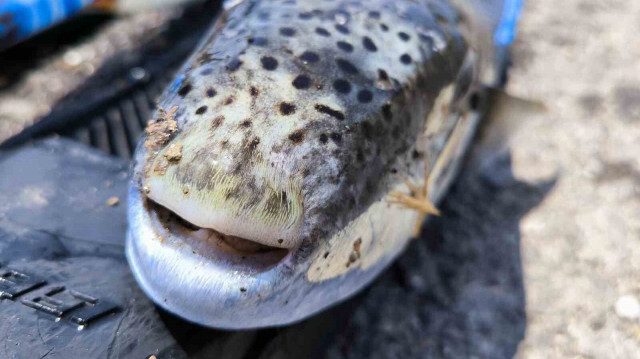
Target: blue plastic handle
{"points": [[22, 18]]}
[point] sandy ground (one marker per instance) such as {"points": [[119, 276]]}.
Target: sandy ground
{"points": [[580, 249]]}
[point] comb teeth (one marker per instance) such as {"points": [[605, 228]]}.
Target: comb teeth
{"points": [[116, 129]]}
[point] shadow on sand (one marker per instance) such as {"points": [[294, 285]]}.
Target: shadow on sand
{"points": [[458, 291]]}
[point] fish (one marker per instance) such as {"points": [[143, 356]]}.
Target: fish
{"points": [[301, 147], [21, 19]]}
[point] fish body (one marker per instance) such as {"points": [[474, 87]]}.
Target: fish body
{"points": [[261, 189]]}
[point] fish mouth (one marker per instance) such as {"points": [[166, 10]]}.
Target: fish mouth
{"points": [[202, 275], [235, 252]]}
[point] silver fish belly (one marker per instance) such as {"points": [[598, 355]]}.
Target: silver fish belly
{"points": [[261, 188]]}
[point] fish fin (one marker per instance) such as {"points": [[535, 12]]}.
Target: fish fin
{"points": [[417, 203], [418, 200]]}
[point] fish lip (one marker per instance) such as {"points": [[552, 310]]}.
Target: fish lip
{"points": [[194, 287]]}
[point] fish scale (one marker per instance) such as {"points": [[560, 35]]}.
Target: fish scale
{"points": [[262, 185]]}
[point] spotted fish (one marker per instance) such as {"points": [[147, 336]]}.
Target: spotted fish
{"points": [[299, 149]]}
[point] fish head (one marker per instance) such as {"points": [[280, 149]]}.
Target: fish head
{"points": [[259, 194]]}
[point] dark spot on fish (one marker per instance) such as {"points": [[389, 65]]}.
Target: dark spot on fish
{"points": [[301, 82], [404, 36], [309, 57], [253, 144], [305, 15], [201, 110], [336, 137], [416, 155], [287, 31], [323, 138], [211, 92], [406, 59], [322, 32], [347, 66], [365, 96], [440, 18], [345, 46], [326, 254], [206, 72], [369, 44], [217, 122], [329, 111], [382, 75], [257, 41], [297, 136], [384, 27], [474, 101], [184, 90], [342, 29], [229, 100], [374, 14], [269, 63], [233, 65], [287, 108], [386, 112], [243, 290], [254, 91], [280, 241], [245, 123], [342, 86], [360, 155]]}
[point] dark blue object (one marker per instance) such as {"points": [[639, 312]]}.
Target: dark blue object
{"points": [[20, 19]]}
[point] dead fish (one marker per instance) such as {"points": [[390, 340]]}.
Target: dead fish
{"points": [[299, 149], [20, 19]]}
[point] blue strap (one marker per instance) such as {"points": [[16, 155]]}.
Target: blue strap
{"points": [[43, 13], [506, 31], [30, 16], [21, 16]]}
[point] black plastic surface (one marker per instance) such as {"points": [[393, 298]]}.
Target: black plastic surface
{"points": [[65, 286]]}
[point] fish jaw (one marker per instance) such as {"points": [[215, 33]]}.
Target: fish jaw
{"points": [[206, 285]]}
